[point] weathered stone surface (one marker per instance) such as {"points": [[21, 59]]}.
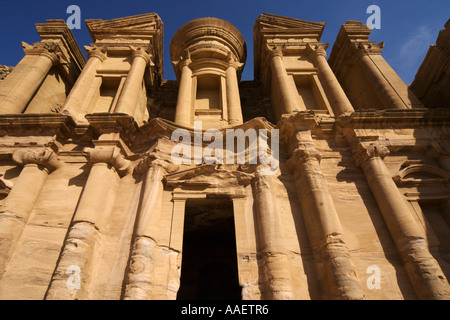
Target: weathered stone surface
{"points": [[93, 204]]}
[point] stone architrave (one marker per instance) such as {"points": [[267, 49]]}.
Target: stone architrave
{"points": [[37, 164], [423, 270], [88, 224]]}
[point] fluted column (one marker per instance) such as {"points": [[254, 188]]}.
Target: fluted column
{"points": [[423, 270], [17, 90], [128, 99], [384, 90], [183, 113], [142, 281], [280, 76], [323, 225], [22, 197], [76, 104], [233, 97], [336, 95], [94, 208], [275, 261]]}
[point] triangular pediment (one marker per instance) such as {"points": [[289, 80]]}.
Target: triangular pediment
{"points": [[274, 23], [142, 24]]}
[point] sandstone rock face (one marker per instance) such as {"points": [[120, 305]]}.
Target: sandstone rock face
{"points": [[432, 79], [319, 179]]}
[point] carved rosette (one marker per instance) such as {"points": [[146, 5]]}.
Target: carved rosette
{"points": [[46, 158]]}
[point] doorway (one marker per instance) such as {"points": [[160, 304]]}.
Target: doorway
{"points": [[209, 262]]}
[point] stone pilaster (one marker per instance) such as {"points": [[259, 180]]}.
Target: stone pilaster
{"points": [[128, 100], [77, 103], [424, 272], [384, 90], [336, 95], [275, 261], [147, 258], [18, 205], [17, 90], [183, 113], [94, 208], [322, 221], [232, 89], [280, 76]]}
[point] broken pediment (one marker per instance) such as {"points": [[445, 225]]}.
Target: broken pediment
{"points": [[421, 174], [210, 176], [142, 25], [271, 23]]}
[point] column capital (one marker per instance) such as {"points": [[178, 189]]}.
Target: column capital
{"points": [[98, 52], [315, 50], [233, 63], [275, 51], [368, 150], [184, 60], [142, 52], [49, 50], [46, 158], [110, 156], [153, 160], [360, 49]]}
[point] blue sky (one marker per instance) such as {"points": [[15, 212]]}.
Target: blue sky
{"points": [[408, 28]]}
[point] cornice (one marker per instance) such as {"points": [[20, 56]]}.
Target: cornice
{"points": [[386, 119]]}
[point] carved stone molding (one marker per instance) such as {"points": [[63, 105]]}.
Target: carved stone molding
{"points": [[110, 156], [45, 158]]}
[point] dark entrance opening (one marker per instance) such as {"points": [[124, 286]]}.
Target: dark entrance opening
{"points": [[209, 265]]}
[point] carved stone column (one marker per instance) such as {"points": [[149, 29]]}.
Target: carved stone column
{"points": [[275, 261], [280, 76], [424, 272], [322, 221], [128, 99], [22, 197], [233, 97], [142, 279], [183, 112], [19, 87], [96, 204], [76, 103], [339, 101], [384, 90]]}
